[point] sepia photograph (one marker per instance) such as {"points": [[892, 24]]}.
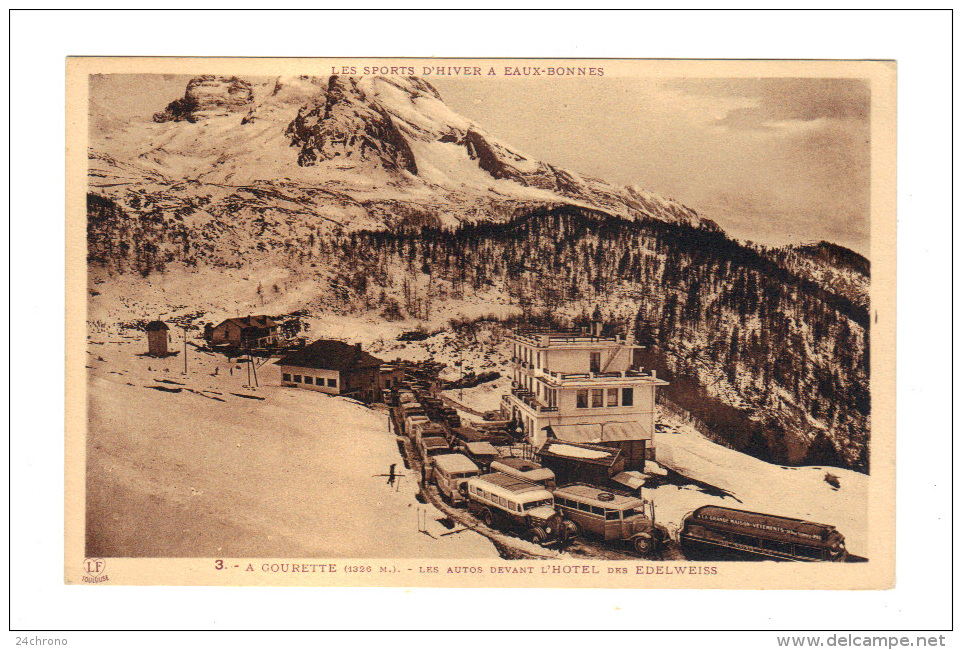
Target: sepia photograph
{"points": [[500, 319]]}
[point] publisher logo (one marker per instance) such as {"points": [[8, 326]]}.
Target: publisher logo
{"points": [[94, 568]]}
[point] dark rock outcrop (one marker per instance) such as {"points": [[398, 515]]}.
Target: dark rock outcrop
{"points": [[348, 125], [208, 96]]}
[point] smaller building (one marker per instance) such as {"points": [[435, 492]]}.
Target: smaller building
{"points": [[246, 332], [157, 338], [335, 368], [574, 462], [390, 376]]}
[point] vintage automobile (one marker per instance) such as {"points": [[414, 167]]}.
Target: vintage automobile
{"points": [[505, 501], [610, 516], [525, 469], [411, 421], [758, 536], [430, 448], [482, 453], [426, 429], [450, 473]]}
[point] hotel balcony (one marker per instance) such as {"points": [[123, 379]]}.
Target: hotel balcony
{"points": [[544, 339], [558, 379], [527, 398]]}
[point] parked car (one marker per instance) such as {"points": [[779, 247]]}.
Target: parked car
{"points": [[450, 473], [426, 429], [601, 513], [525, 469], [482, 453]]}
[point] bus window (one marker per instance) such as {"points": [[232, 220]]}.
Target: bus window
{"points": [[612, 515], [744, 539], [596, 510], [773, 545], [808, 551], [584, 507]]}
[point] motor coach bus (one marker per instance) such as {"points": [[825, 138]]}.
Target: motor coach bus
{"points": [[525, 469], [450, 473], [759, 536], [598, 512], [500, 500]]}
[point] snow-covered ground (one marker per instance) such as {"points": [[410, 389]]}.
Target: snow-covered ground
{"points": [[799, 492], [206, 472]]}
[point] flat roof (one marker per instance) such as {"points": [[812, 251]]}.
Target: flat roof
{"points": [[590, 493], [511, 483], [456, 463], [481, 448], [520, 464]]}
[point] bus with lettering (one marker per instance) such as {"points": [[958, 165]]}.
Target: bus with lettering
{"points": [[754, 535]]}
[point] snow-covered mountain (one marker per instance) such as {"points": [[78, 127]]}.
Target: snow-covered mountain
{"points": [[350, 150]]}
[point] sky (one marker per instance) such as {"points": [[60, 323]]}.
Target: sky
{"points": [[772, 160]]}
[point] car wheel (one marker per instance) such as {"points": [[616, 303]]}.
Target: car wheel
{"points": [[643, 544], [487, 518], [539, 536]]}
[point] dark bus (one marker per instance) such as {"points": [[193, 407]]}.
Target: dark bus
{"points": [[753, 535]]}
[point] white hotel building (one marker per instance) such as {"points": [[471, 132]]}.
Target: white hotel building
{"points": [[582, 388]]}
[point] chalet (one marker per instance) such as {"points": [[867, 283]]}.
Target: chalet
{"points": [[391, 375], [582, 388], [335, 368], [157, 338], [574, 462], [246, 332]]}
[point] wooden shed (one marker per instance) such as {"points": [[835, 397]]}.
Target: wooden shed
{"points": [[157, 338]]}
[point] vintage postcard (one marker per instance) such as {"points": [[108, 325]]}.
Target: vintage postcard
{"points": [[480, 323]]}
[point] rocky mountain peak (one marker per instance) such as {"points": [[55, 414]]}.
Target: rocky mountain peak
{"points": [[208, 96], [348, 125]]}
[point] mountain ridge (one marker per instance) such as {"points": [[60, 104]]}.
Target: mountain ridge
{"points": [[370, 138]]}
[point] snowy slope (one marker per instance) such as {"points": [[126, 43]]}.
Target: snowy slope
{"points": [[367, 139], [203, 471]]}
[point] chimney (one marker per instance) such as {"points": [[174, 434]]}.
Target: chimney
{"points": [[654, 374]]}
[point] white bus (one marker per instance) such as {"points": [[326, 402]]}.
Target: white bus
{"points": [[499, 499]]}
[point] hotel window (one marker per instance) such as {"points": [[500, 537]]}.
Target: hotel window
{"points": [[287, 376], [582, 399], [539, 360], [332, 383], [597, 398], [297, 379], [612, 397], [595, 362], [308, 380], [627, 396]]}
